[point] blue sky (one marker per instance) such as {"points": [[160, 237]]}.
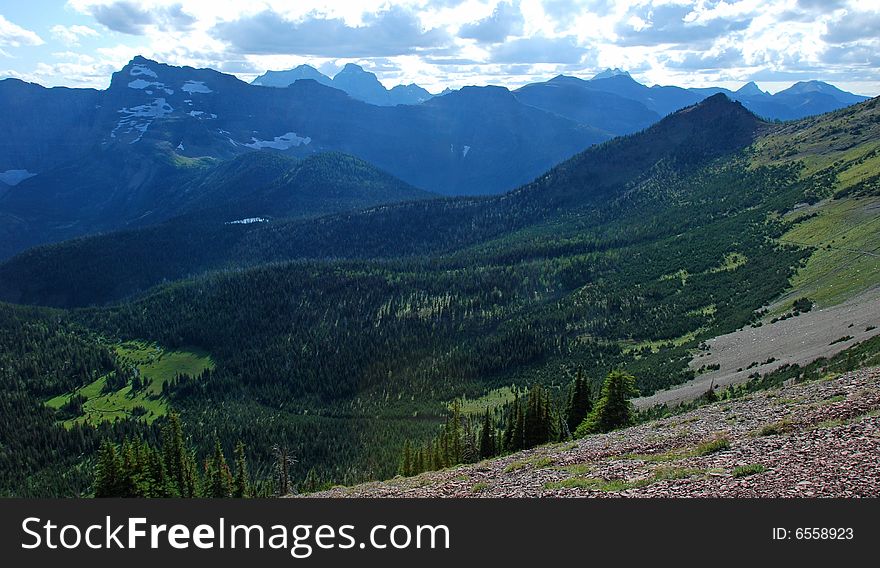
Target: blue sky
{"points": [[439, 43]]}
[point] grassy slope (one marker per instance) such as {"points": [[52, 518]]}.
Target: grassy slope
{"points": [[845, 239], [840, 153]]}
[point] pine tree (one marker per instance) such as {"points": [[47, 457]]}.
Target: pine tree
{"points": [[487, 437], [406, 463], [514, 428], [419, 465], [242, 483], [283, 461], [613, 409], [580, 404], [536, 422], [218, 476], [454, 436], [107, 471], [157, 480], [178, 460]]}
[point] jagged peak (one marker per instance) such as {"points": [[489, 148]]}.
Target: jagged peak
{"points": [[750, 88], [608, 73]]}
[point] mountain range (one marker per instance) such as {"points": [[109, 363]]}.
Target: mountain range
{"points": [[120, 152], [83, 161], [354, 80]]}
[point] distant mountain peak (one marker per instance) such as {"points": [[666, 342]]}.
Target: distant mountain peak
{"points": [[288, 77], [608, 73], [353, 68], [750, 89], [353, 80]]}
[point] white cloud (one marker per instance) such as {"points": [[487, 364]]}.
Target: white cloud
{"points": [[13, 35], [71, 35], [454, 42]]}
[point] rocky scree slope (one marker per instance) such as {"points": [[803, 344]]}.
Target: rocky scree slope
{"points": [[815, 439]]}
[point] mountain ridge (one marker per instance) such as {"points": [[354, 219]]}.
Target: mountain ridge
{"points": [[353, 80]]}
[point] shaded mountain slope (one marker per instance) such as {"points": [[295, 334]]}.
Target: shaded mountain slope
{"points": [[685, 141], [115, 190]]}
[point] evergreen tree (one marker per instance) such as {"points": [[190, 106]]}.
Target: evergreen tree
{"points": [[580, 404], [487, 437], [454, 436], [283, 461], [419, 465], [242, 483], [470, 452], [179, 462], [157, 480], [513, 434], [613, 409], [406, 463], [218, 476], [536, 421], [108, 471]]}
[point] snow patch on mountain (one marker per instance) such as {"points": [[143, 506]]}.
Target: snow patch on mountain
{"points": [[142, 84], [248, 221], [282, 142], [139, 118], [196, 87], [142, 70], [15, 177]]}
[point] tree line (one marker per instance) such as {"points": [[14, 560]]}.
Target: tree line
{"points": [[526, 422]]}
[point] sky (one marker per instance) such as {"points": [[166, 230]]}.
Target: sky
{"points": [[452, 43]]}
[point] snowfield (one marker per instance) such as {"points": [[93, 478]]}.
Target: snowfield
{"points": [[283, 142], [142, 70], [248, 221], [140, 118], [196, 87], [15, 177]]}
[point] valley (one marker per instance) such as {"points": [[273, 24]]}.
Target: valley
{"points": [[343, 307]]}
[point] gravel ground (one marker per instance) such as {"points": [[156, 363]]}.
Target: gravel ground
{"points": [[796, 340], [825, 443]]}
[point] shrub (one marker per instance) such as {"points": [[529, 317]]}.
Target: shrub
{"points": [[716, 445], [746, 470]]}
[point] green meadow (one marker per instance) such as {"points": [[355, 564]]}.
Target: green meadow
{"points": [[154, 364]]}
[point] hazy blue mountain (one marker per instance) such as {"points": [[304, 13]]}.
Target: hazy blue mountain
{"points": [[79, 161], [610, 73], [352, 79], [750, 91], [694, 136], [408, 94], [116, 158], [810, 88], [572, 98], [615, 102], [360, 84], [285, 78], [44, 127]]}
